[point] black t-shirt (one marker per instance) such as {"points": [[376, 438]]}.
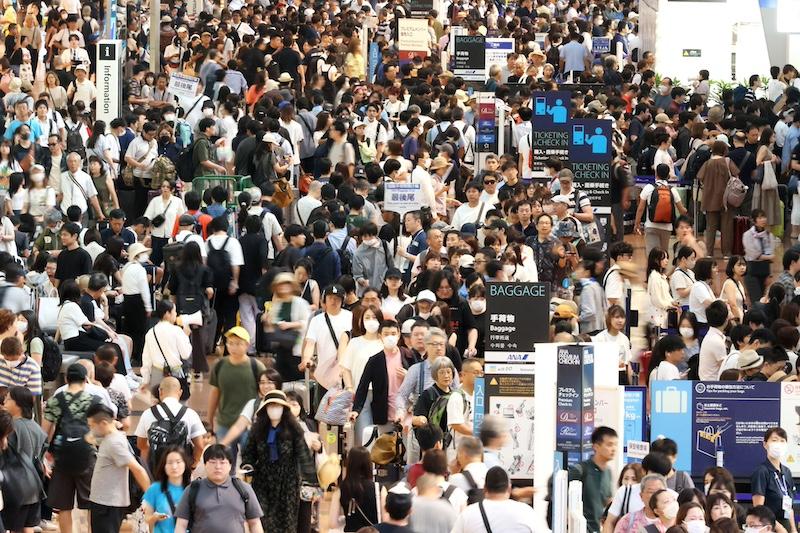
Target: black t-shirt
{"points": [[288, 60], [311, 62], [73, 263], [391, 528], [254, 248]]}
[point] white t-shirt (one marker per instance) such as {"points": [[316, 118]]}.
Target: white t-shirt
{"points": [[681, 279], [525, 150], [621, 340], [304, 207], [645, 195], [327, 371], [171, 210], [194, 425], [508, 516], [189, 236], [77, 189], [458, 413], [233, 248], [700, 293], [270, 225], [465, 214], [71, 320], [615, 286], [296, 135], [634, 500], [666, 371], [249, 410], [358, 352]]}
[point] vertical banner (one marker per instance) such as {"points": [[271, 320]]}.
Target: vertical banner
{"points": [[486, 135], [590, 158], [478, 405], [109, 80], [575, 401], [790, 421], [374, 59], [470, 57], [550, 135], [497, 50], [510, 395], [518, 317], [635, 426]]}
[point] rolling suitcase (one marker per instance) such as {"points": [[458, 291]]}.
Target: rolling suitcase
{"points": [[740, 226]]}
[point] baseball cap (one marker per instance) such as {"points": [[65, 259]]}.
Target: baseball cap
{"points": [[561, 198], [393, 273], [427, 295], [238, 331], [564, 311], [186, 220], [335, 290], [466, 261]]}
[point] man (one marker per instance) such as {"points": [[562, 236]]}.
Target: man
{"points": [[116, 228], [773, 360], [772, 483], [791, 265], [713, 351], [233, 383], [15, 296], [169, 394], [432, 512], [677, 480], [327, 264], [203, 151], [73, 261], [628, 499], [459, 406], [613, 282], [22, 116], [17, 369], [574, 57], [375, 131], [339, 238], [140, 156], [498, 512], [192, 200], [474, 211], [660, 200], [74, 55], [309, 202], [77, 188], [472, 475], [66, 485], [186, 226], [110, 496], [82, 89], [595, 474], [435, 240], [418, 244], [760, 518], [398, 507], [218, 502], [638, 520], [526, 225], [225, 260], [324, 333]]}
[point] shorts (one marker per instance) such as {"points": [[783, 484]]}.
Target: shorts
{"points": [[64, 488], [106, 519], [21, 517]]}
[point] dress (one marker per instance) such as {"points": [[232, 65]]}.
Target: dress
{"points": [[277, 484]]}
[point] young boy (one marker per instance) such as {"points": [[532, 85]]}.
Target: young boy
{"points": [[429, 438], [109, 496]]}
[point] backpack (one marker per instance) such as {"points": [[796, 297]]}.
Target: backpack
{"points": [[474, 494], [165, 432], [184, 167], [190, 297], [219, 262], [695, 161], [75, 141], [51, 359], [345, 256], [661, 206], [437, 415], [439, 140], [172, 255], [469, 147], [183, 133], [163, 169], [194, 488], [646, 162], [735, 191], [72, 452]]}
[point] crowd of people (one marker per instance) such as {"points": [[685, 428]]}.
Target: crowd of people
{"points": [[238, 239]]}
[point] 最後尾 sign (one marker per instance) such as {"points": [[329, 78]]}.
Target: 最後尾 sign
{"points": [[601, 45], [183, 86], [402, 197]]}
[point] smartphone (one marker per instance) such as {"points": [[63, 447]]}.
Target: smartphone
{"points": [[541, 105], [578, 135]]}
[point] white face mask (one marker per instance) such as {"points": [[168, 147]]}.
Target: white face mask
{"points": [[749, 529], [686, 333], [274, 412], [671, 510], [663, 89], [22, 326], [478, 307], [776, 450], [143, 258], [169, 117], [424, 316], [37, 178], [371, 326], [695, 526], [390, 341], [208, 112], [509, 270]]}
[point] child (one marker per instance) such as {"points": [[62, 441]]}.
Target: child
{"points": [[109, 495]]}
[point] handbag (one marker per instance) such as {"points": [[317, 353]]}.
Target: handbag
{"points": [[159, 220], [280, 339], [167, 372], [283, 193], [770, 181], [334, 408], [127, 172]]}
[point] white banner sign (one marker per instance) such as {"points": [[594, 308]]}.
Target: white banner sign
{"points": [[402, 197], [497, 50], [109, 80], [413, 34], [183, 86], [638, 449]]}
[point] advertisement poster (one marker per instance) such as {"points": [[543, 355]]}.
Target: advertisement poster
{"points": [[712, 417], [510, 395], [518, 316], [412, 34], [590, 158], [402, 197], [486, 135], [497, 50], [790, 421], [575, 401], [470, 57], [601, 45], [635, 428], [550, 136]]}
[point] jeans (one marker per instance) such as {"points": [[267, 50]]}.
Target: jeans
{"points": [[234, 447], [248, 310]]}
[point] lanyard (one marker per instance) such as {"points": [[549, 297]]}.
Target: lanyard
{"points": [[781, 483]]}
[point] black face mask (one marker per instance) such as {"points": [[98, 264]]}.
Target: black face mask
{"points": [[25, 136], [164, 139]]}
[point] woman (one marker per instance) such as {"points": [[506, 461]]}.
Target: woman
{"points": [[268, 380], [8, 164], [658, 287], [767, 199], [759, 251], [733, 290], [109, 261], [171, 477], [167, 147], [412, 140], [477, 306], [309, 288], [692, 517], [359, 505], [615, 332], [32, 334], [285, 324], [393, 296], [689, 329], [33, 31], [702, 295], [719, 505], [665, 506], [324, 122], [75, 329], [28, 438], [55, 91], [682, 278], [104, 183], [281, 460], [714, 175], [462, 321], [770, 303], [442, 372], [354, 63], [99, 146], [137, 303], [667, 354], [41, 197], [166, 345], [257, 90], [21, 507], [163, 211], [192, 289]]}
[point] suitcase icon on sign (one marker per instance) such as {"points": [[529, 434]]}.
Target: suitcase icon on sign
{"points": [[672, 400]]}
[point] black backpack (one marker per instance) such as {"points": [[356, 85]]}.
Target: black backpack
{"points": [[190, 296], [75, 141], [474, 494], [184, 166], [51, 359], [645, 164], [172, 255], [439, 140], [165, 432], [323, 150], [696, 161], [219, 262], [72, 452], [345, 256]]}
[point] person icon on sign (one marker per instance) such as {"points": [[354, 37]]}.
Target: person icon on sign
{"points": [[558, 112], [598, 141]]}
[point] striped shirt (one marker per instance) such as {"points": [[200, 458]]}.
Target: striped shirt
{"points": [[27, 374]]}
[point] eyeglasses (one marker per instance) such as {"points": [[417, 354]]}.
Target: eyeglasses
{"points": [[487, 182], [436, 344]]}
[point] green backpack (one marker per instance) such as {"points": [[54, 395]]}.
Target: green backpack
{"points": [[163, 169], [437, 415]]}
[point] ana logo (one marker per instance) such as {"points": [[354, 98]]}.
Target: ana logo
{"points": [[567, 416], [700, 388], [568, 431], [517, 357]]}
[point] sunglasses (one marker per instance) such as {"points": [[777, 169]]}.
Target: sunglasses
{"points": [[489, 182]]}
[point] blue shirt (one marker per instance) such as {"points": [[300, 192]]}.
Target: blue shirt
{"points": [[36, 130], [574, 54], [155, 498], [792, 137]]}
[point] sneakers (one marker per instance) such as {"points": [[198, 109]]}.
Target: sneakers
{"points": [[46, 525]]}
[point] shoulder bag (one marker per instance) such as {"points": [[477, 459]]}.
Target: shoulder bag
{"points": [[167, 372], [127, 172]]}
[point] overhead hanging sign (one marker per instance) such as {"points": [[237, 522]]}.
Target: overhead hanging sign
{"points": [[412, 34], [470, 57], [550, 136], [518, 316], [497, 50], [402, 197]]}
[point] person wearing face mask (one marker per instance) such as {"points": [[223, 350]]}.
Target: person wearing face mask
{"points": [[281, 462], [772, 482], [692, 518], [371, 260], [17, 369], [663, 98], [137, 304], [637, 520], [477, 305], [759, 253], [665, 507], [760, 519]]}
